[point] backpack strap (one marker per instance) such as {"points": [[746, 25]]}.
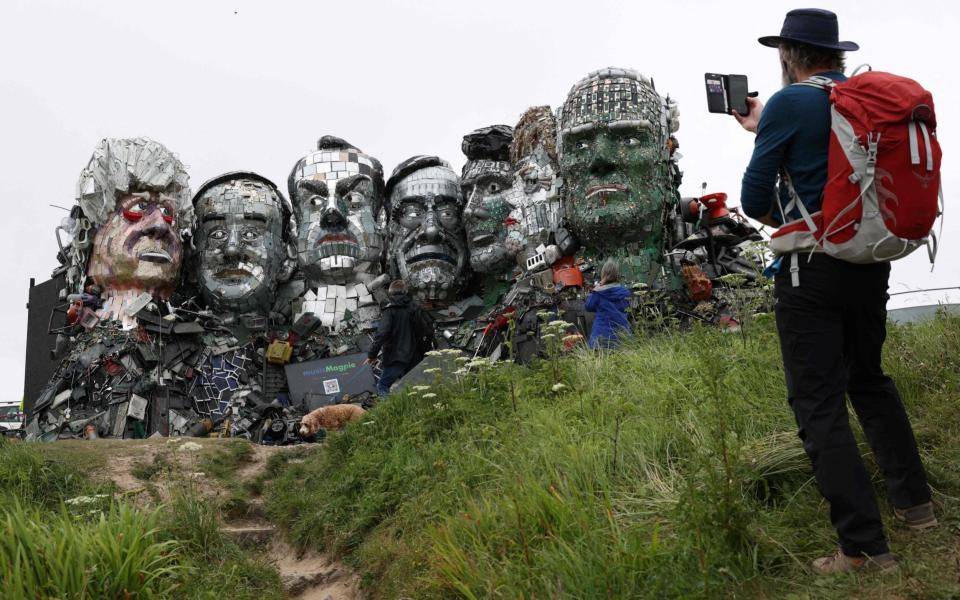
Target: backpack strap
{"points": [[933, 240], [795, 269], [818, 81], [795, 202]]}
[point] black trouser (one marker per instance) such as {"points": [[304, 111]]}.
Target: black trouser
{"points": [[832, 328]]}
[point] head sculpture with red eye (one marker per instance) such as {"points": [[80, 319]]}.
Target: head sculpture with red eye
{"points": [[134, 196]]}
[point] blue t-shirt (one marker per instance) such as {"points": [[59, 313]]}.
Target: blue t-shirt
{"points": [[793, 133]]}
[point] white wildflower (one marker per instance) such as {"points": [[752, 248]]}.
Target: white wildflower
{"points": [[558, 386], [433, 353], [430, 395], [462, 359], [431, 371], [421, 388], [439, 406], [190, 447], [86, 499], [461, 371]]}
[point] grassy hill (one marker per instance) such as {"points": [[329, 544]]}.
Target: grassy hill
{"points": [[668, 469]]}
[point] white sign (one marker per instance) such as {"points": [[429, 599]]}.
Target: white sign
{"points": [[138, 407]]}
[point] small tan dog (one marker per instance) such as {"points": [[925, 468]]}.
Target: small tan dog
{"points": [[334, 417]]}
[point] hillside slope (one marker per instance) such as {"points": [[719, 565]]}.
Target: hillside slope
{"points": [[668, 469]]}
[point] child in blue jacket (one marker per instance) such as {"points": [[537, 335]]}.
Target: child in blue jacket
{"points": [[610, 301]]}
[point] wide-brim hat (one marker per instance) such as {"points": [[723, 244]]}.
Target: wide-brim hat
{"points": [[811, 26]]}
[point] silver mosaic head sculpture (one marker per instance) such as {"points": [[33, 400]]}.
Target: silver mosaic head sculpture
{"points": [[536, 182], [615, 159], [134, 201], [244, 242], [427, 247], [486, 181], [337, 195]]}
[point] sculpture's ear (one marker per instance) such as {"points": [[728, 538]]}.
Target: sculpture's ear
{"points": [[289, 262]]}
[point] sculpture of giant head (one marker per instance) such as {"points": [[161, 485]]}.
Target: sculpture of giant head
{"points": [[533, 155], [615, 159], [486, 182], [337, 195], [427, 247], [244, 242], [134, 198]]}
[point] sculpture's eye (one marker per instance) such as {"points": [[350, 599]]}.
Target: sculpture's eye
{"points": [[355, 199], [581, 145], [217, 234], [135, 212], [250, 235], [631, 142], [493, 188], [167, 214]]}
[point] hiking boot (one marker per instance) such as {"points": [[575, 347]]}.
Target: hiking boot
{"points": [[917, 517], [841, 563]]}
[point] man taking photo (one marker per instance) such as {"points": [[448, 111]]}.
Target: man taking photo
{"points": [[831, 314]]}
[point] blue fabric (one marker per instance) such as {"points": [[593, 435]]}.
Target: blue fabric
{"points": [[610, 302], [794, 133], [389, 375]]}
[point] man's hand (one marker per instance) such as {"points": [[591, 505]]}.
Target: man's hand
{"points": [[752, 118], [369, 361]]}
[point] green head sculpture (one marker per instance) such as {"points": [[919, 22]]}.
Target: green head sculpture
{"points": [[615, 161]]}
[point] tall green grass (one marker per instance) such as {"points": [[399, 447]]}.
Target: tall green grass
{"points": [[63, 535], [670, 468], [117, 555]]}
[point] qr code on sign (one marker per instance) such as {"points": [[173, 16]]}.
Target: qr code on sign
{"points": [[331, 386]]}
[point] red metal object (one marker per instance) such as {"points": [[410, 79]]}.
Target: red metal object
{"points": [[566, 273]]}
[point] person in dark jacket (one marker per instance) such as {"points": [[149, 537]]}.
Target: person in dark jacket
{"points": [[610, 301], [396, 336], [831, 314]]}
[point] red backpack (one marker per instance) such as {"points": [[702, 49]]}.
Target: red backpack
{"points": [[883, 193]]}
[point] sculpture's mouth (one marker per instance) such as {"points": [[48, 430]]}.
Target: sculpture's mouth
{"points": [[485, 239], [606, 188], [338, 244], [232, 274], [156, 255], [424, 252]]}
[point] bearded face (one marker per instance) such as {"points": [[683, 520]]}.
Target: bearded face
{"points": [[138, 247], [427, 244], [615, 160], [240, 244]]}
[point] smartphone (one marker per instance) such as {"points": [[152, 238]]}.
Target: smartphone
{"points": [[737, 93], [726, 93]]}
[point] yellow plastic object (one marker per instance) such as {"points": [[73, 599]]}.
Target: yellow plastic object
{"points": [[279, 352]]}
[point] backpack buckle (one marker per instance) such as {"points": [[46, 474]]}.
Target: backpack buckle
{"points": [[873, 140]]}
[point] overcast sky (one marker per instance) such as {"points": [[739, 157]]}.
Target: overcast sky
{"points": [[251, 85]]}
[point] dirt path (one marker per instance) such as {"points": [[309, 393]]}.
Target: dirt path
{"points": [[129, 464], [305, 575]]}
